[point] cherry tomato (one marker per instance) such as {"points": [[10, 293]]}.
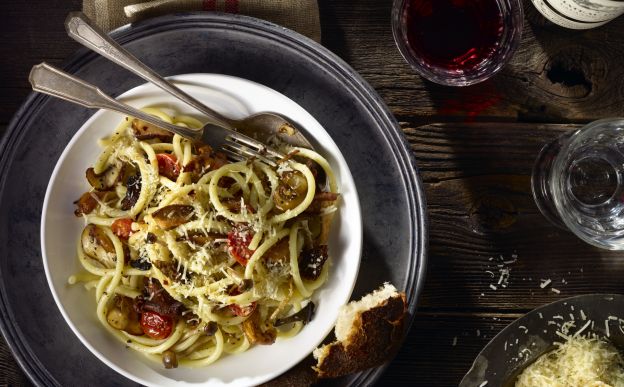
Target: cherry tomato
{"points": [[155, 325], [168, 166], [122, 227], [242, 311], [238, 242]]}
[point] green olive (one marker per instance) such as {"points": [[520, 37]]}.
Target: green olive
{"points": [[291, 191]]}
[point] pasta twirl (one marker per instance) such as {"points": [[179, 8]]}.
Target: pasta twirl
{"points": [[192, 257]]}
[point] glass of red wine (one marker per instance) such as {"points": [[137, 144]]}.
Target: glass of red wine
{"points": [[457, 42]]}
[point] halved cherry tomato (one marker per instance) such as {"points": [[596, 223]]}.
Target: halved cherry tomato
{"points": [[155, 325], [168, 166], [242, 311], [238, 242], [122, 228]]}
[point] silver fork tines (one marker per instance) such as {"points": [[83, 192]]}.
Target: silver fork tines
{"points": [[253, 144], [242, 152]]}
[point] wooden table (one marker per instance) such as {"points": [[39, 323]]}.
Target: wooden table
{"points": [[475, 147]]}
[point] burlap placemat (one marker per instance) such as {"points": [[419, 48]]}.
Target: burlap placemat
{"points": [[299, 15]]}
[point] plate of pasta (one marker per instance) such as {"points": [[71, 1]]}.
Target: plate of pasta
{"points": [[177, 266]]}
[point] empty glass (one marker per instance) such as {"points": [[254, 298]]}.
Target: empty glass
{"points": [[578, 182]]}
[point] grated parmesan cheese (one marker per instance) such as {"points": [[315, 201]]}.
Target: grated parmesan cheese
{"points": [[579, 361]]}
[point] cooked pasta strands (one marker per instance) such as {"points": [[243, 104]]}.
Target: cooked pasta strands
{"points": [[143, 340], [306, 201], [205, 357], [127, 291], [296, 328], [91, 284], [188, 121], [236, 344], [158, 113], [160, 348], [261, 250], [83, 276], [209, 250], [162, 147], [320, 160], [185, 344]]}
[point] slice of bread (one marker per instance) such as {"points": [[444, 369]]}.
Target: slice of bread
{"points": [[368, 333]]}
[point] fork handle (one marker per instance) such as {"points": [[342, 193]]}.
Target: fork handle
{"points": [[52, 81], [80, 28]]}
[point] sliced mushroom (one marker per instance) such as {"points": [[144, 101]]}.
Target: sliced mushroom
{"points": [[169, 359], [97, 245], [173, 215], [291, 190], [200, 238], [88, 202], [107, 179], [145, 131], [254, 332]]}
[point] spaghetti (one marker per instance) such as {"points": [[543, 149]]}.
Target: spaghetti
{"points": [[191, 256]]}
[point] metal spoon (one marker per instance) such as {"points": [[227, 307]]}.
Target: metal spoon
{"points": [[260, 126]]}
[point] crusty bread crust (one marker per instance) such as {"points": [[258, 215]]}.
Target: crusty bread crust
{"points": [[374, 338]]}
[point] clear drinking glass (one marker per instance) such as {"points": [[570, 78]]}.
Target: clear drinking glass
{"points": [[457, 42], [578, 182]]}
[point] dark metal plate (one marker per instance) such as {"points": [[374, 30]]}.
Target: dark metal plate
{"points": [[531, 336], [387, 181]]}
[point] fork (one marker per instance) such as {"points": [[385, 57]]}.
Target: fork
{"points": [[48, 79], [260, 126]]}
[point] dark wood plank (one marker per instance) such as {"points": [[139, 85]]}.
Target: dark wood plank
{"points": [[33, 32], [429, 359], [477, 180], [557, 75]]}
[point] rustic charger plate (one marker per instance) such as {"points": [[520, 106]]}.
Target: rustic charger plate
{"points": [[387, 181]]}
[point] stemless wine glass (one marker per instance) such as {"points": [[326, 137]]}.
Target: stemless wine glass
{"points": [[457, 42], [578, 182]]}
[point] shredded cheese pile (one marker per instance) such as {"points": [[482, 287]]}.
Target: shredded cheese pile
{"points": [[579, 361]]}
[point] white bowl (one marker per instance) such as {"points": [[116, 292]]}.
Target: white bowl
{"points": [[60, 230]]}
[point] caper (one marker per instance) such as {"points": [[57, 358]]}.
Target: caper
{"points": [[169, 359]]}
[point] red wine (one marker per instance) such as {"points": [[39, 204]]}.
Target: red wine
{"points": [[453, 34]]}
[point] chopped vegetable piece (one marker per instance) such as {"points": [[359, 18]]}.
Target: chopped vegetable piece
{"points": [[173, 215], [122, 227], [155, 325], [168, 166], [239, 239]]}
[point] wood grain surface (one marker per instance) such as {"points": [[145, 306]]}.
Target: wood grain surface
{"points": [[475, 163]]}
